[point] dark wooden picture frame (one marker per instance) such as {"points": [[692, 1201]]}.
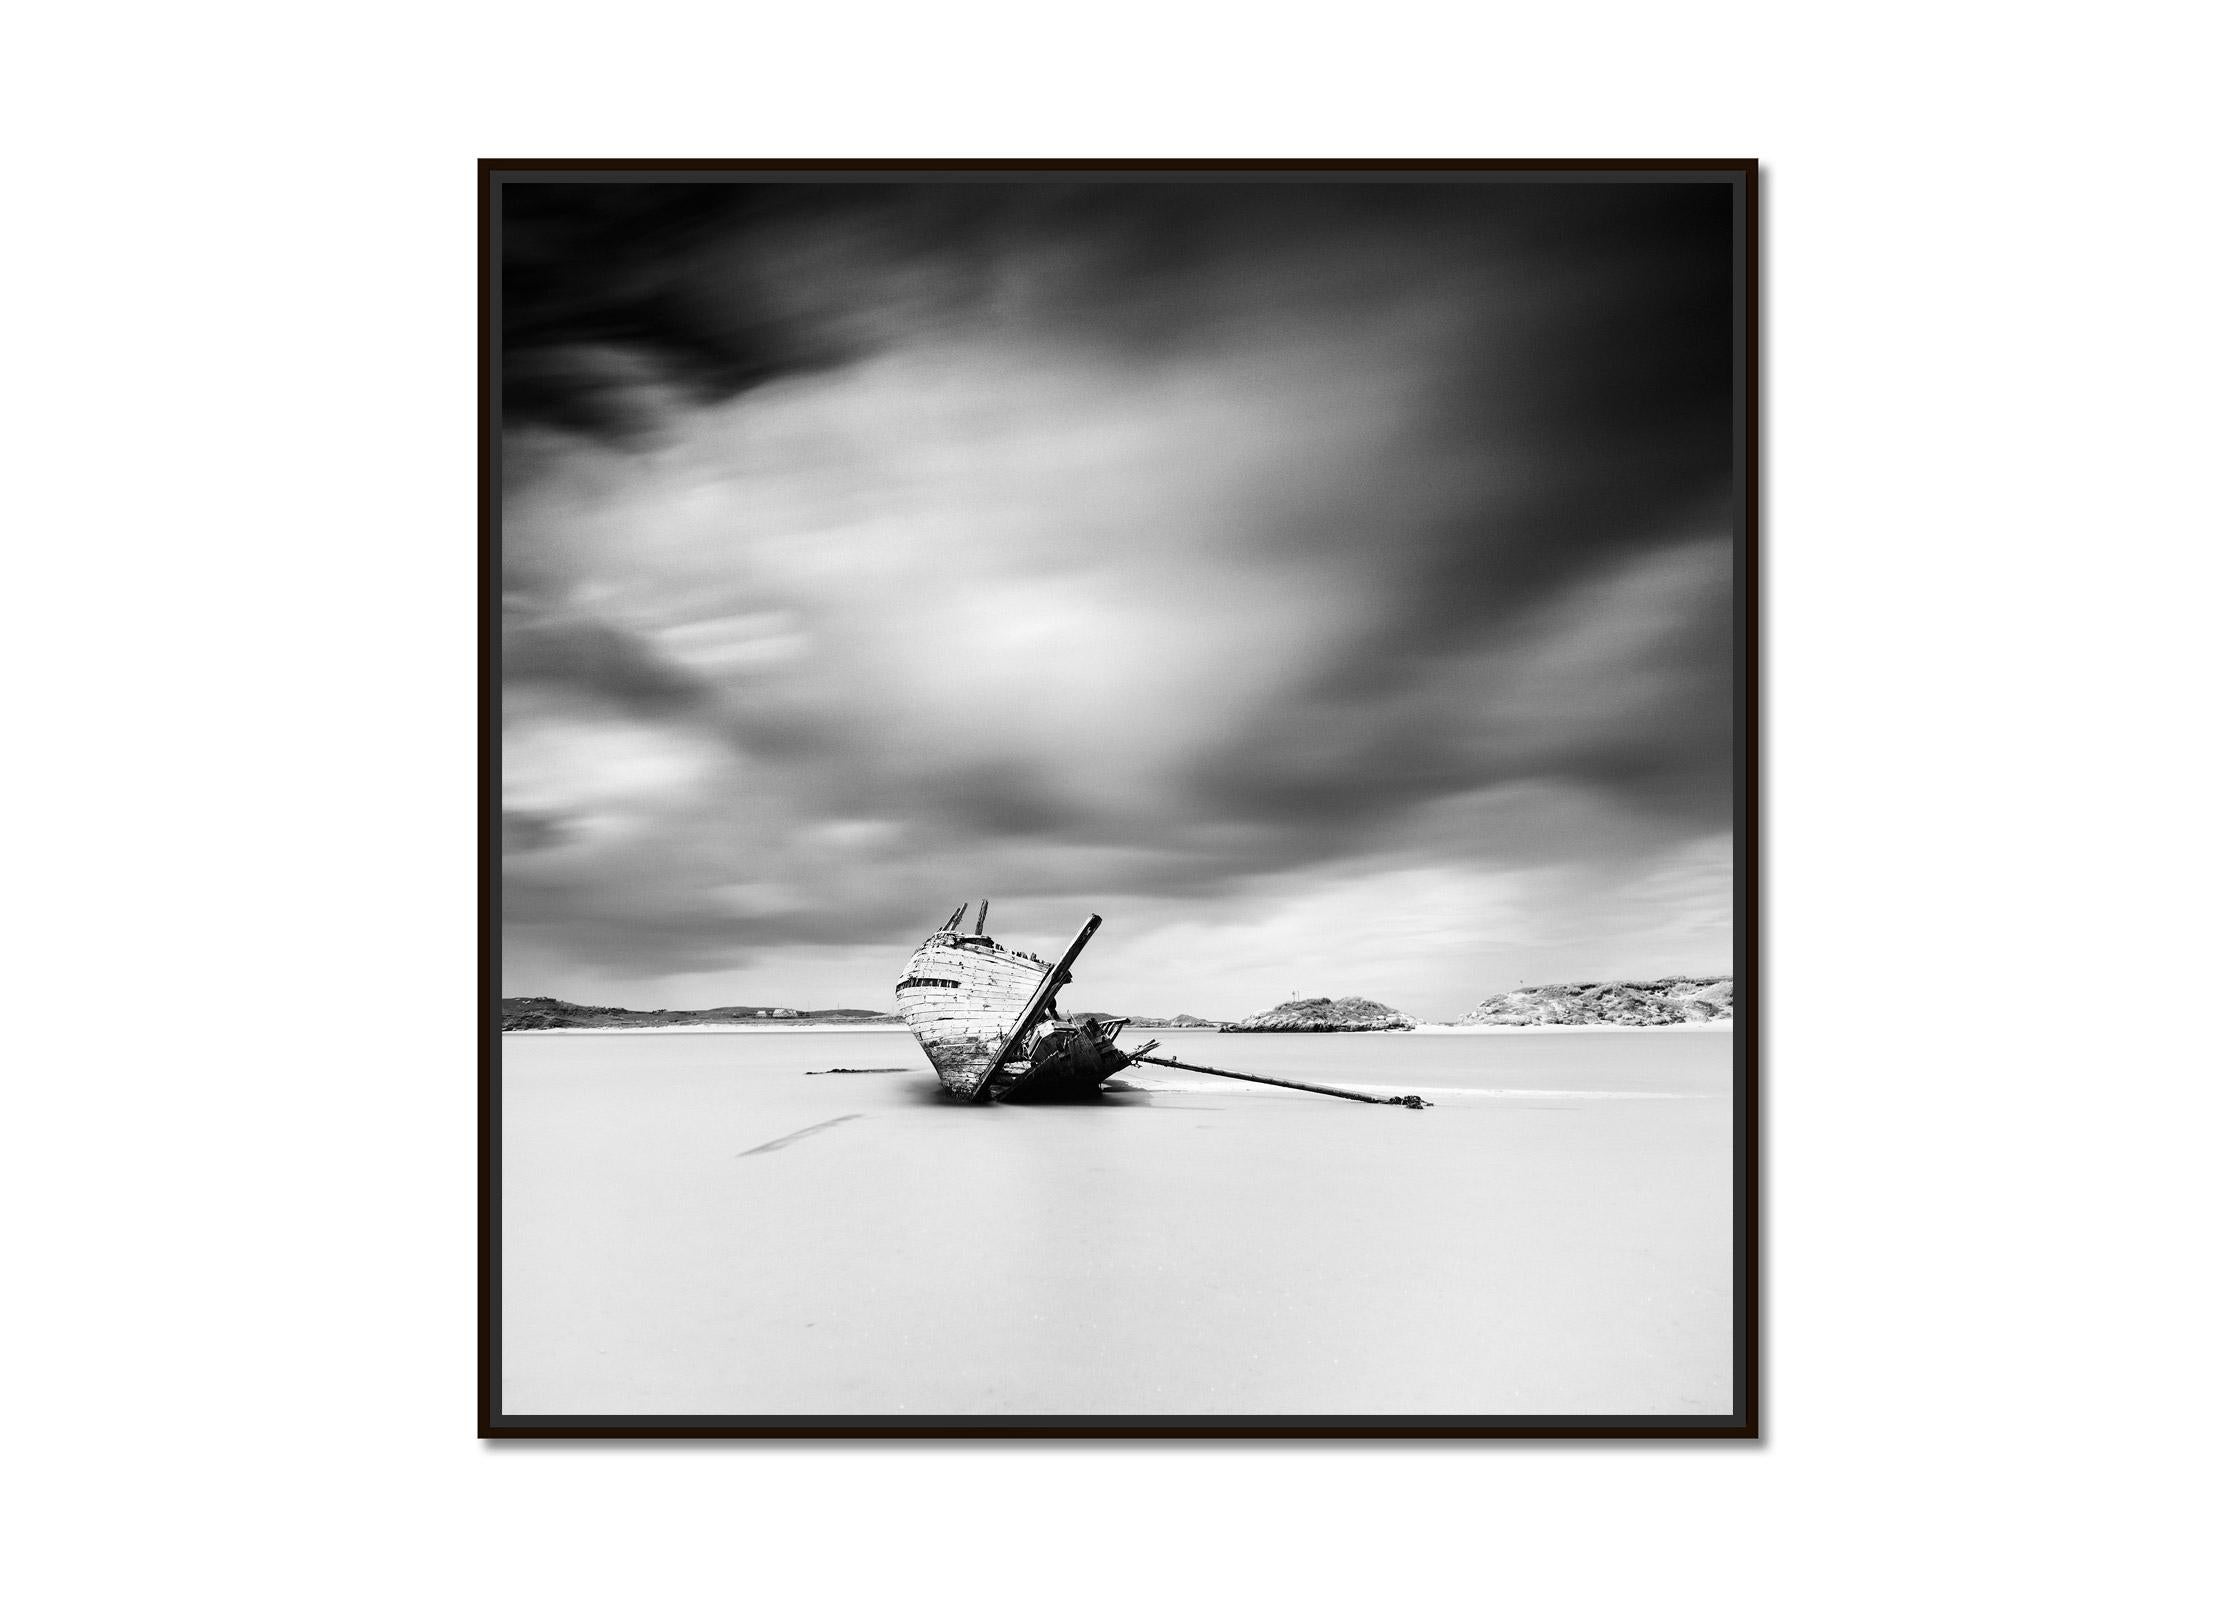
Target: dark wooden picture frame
{"points": [[1744, 1422]]}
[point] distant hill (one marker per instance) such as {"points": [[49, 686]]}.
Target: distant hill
{"points": [[1656, 1003], [518, 1015], [1353, 1014], [1181, 1019]]}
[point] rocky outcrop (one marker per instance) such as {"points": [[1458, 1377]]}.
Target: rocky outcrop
{"points": [[1350, 1015], [542, 1011], [1657, 1003]]}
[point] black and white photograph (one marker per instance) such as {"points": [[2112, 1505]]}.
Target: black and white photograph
{"points": [[1441, 794], [1120, 798]]}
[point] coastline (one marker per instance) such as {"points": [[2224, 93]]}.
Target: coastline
{"points": [[1482, 1028], [1724, 1025], [722, 1027]]}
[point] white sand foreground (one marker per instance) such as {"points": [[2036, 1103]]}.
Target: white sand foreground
{"points": [[727, 1226]]}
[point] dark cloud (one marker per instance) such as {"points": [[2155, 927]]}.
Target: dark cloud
{"points": [[525, 830], [1099, 539], [602, 289], [596, 660]]}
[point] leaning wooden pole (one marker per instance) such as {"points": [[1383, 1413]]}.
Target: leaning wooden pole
{"points": [[1052, 981], [1415, 1102]]}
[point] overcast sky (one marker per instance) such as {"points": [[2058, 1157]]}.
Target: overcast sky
{"points": [[1331, 586]]}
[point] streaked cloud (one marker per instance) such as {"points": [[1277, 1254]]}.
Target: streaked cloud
{"points": [[1249, 560]]}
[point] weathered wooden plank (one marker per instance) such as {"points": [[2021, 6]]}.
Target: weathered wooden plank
{"points": [[1043, 991]]}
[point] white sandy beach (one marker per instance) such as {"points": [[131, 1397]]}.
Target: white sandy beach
{"points": [[725, 1225]]}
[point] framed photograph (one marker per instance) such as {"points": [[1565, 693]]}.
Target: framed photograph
{"points": [[1119, 799]]}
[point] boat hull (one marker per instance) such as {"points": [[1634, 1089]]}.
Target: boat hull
{"points": [[966, 998], [1062, 1057], [960, 995]]}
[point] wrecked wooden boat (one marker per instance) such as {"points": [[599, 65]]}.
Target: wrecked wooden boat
{"points": [[987, 1017], [988, 1020]]}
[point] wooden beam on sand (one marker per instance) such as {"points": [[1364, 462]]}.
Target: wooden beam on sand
{"points": [[1412, 1101]]}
